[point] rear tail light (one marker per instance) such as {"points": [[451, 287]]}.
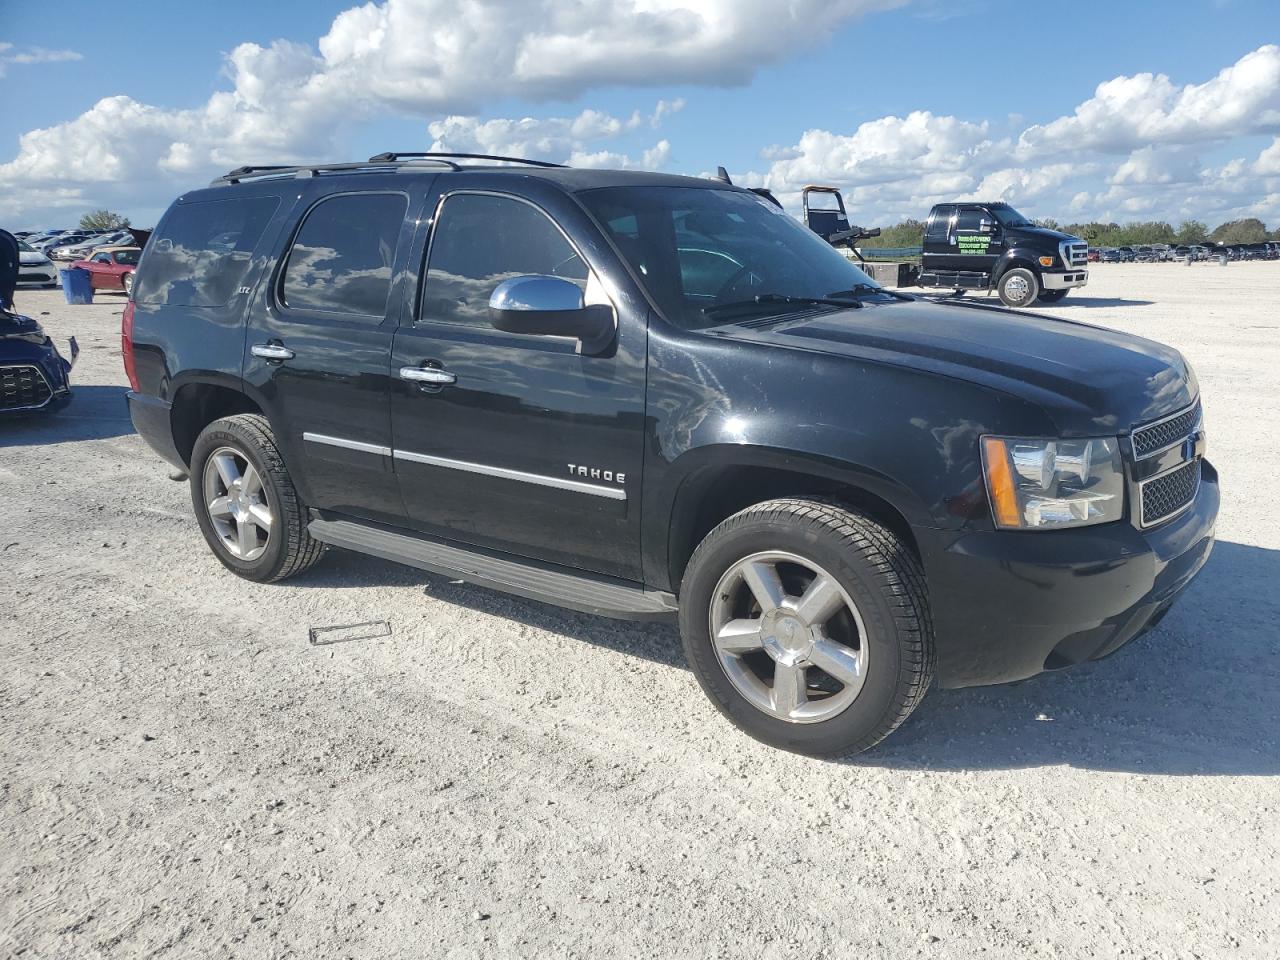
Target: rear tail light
{"points": [[126, 345]]}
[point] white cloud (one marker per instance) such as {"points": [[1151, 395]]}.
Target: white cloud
{"points": [[1146, 109], [11, 55]]}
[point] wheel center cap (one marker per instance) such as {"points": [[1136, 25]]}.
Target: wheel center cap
{"points": [[787, 639]]}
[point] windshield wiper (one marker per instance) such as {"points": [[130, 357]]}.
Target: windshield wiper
{"points": [[867, 289], [769, 299]]}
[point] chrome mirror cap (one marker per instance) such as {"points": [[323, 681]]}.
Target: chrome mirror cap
{"points": [[539, 293]]}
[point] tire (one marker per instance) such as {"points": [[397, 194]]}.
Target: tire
{"points": [[1052, 296], [881, 620], [126, 281], [1018, 287], [244, 444]]}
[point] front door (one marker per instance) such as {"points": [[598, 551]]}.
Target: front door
{"points": [[519, 443], [978, 241], [318, 350]]}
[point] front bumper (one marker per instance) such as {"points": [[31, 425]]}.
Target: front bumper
{"points": [[151, 418], [1064, 280], [1008, 605]]}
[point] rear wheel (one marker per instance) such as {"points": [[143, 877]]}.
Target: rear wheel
{"points": [[246, 504], [127, 282], [1018, 287], [1052, 296], [807, 625]]}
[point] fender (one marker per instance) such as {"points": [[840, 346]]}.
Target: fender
{"points": [[1022, 256]]}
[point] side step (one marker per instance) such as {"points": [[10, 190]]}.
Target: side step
{"points": [[532, 579]]}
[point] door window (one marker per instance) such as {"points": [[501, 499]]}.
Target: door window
{"points": [[481, 240], [970, 220], [939, 224], [341, 259]]}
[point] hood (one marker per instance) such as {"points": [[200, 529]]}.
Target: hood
{"points": [[15, 325], [1054, 236], [1089, 380]]}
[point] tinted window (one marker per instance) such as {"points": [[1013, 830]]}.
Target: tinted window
{"points": [[128, 258], [479, 241], [708, 256], [341, 259], [201, 252], [940, 224], [970, 220]]}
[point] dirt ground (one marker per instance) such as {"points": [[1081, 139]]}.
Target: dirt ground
{"points": [[183, 775]]}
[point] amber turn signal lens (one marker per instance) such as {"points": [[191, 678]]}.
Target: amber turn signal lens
{"points": [[1046, 261], [1004, 499]]}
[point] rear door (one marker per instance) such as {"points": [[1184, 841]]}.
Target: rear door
{"points": [[939, 252], [318, 345], [531, 447]]}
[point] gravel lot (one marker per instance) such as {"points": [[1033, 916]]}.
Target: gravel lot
{"points": [[182, 774]]}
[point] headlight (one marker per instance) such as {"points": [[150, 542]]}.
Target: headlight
{"points": [[1048, 484]]}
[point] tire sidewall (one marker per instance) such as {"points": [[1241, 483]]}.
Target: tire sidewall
{"points": [[1030, 278], [878, 697], [224, 433]]}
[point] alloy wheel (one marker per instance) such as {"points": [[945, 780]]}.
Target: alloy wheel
{"points": [[789, 637], [238, 504]]}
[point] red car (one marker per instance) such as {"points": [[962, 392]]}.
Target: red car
{"points": [[111, 268]]}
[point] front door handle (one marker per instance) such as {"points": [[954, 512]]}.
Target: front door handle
{"points": [[272, 351], [432, 376]]}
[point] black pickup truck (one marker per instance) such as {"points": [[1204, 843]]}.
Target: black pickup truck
{"points": [[658, 397], [991, 246]]}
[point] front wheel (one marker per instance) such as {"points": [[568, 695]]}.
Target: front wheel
{"points": [[1018, 287], [1052, 296], [807, 625], [126, 281]]}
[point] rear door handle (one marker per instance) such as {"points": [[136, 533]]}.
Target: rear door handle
{"points": [[271, 351], [429, 375]]}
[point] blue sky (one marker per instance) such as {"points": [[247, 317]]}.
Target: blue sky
{"points": [[902, 105]]}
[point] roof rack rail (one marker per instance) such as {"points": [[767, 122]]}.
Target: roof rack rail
{"points": [[394, 157], [312, 169]]}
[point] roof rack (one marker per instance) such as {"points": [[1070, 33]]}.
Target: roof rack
{"points": [[313, 169], [394, 157]]}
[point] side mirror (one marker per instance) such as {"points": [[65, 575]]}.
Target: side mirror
{"points": [[550, 307]]}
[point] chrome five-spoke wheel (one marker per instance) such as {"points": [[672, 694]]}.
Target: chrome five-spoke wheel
{"points": [[788, 637], [238, 504]]}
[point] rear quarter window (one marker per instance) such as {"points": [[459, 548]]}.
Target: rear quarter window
{"points": [[202, 251]]}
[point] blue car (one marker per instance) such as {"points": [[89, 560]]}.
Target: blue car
{"points": [[34, 376]]}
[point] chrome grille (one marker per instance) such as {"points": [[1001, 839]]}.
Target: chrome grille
{"points": [[23, 388], [1164, 434], [1077, 254], [1170, 493]]}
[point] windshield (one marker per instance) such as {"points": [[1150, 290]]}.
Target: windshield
{"points": [[1010, 217], [701, 252], [26, 247]]}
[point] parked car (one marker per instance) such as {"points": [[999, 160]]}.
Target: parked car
{"points": [[1112, 255], [82, 249], [33, 374], [1144, 254], [59, 248], [1094, 255], [111, 268], [34, 266], [1127, 254], [1182, 253], [991, 246], [583, 386]]}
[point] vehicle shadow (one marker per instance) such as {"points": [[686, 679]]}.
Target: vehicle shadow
{"points": [[1196, 696], [94, 413], [1089, 302]]}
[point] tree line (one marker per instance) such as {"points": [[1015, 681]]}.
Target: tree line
{"points": [[910, 233]]}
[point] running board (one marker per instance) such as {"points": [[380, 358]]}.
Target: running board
{"points": [[531, 579]]}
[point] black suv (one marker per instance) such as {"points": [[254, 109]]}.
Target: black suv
{"points": [[991, 246], [650, 396]]}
